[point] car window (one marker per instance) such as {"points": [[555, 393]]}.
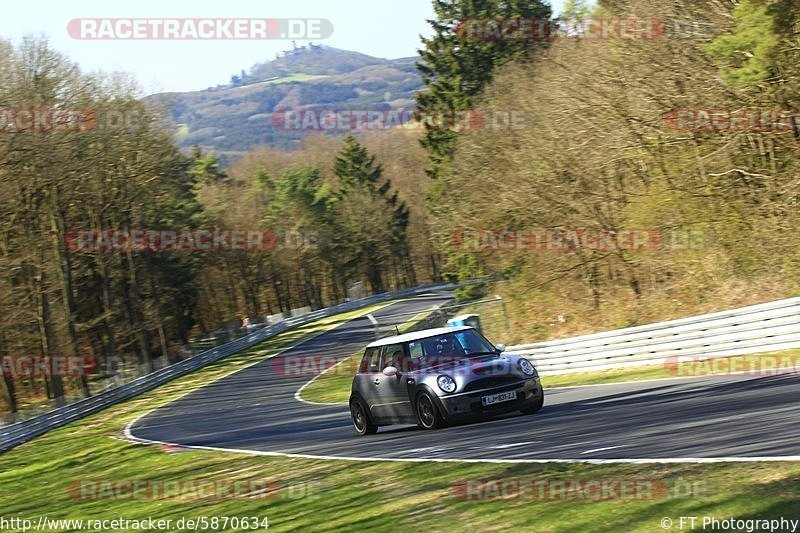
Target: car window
{"points": [[415, 353], [392, 355], [371, 361], [434, 350], [442, 345], [415, 349], [472, 342]]}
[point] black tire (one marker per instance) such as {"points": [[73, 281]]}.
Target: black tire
{"points": [[361, 419], [428, 413], [536, 406]]}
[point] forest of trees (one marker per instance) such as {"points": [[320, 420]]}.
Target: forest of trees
{"points": [[337, 219], [598, 148]]}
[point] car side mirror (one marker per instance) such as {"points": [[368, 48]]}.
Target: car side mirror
{"points": [[390, 371], [500, 347]]}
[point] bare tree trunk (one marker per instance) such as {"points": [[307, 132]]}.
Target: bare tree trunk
{"points": [[65, 274], [46, 336], [162, 337], [138, 322], [9, 390]]}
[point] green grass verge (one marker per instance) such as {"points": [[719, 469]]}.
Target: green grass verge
{"points": [[36, 479], [333, 386]]}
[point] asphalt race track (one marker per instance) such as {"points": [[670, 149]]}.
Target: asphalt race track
{"points": [[685, 418]]}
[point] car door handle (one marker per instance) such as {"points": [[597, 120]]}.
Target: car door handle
{"points": [[377, 381]]}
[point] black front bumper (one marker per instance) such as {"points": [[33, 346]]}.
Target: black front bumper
{"points": [[469, 404]]}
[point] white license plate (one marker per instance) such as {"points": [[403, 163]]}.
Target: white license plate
{"points": [[499, 398]]}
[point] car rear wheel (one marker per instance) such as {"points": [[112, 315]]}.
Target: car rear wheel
{"points": [[428, 415], [536, 406], [361, 420]]}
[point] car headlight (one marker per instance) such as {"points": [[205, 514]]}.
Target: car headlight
{"points": [[526, 367], [446, 383]]}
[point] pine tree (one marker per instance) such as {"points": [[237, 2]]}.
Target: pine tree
{"points": [[747, 54], [373, 219], [575, 9], [455, 67], [355, 167]]}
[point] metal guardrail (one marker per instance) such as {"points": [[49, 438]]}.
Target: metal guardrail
{"points": [[15, 434], [754, 329]]}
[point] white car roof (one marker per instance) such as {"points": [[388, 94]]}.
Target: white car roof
{"points": [[415, 335]]}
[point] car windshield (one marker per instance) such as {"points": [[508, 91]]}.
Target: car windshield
{"points": [[464, 343]]}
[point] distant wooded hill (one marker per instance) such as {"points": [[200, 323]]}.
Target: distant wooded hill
{"points": [[230, 119]]}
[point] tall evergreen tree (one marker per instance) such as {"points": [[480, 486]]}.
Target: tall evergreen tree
{"points": [[376, 220], [456, 66], [760, 55], [575, 9], [747, 54]]}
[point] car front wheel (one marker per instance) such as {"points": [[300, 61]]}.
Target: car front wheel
{"points": [[428, 415], [361, 421]]}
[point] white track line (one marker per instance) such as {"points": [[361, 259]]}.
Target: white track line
{"points": [[786, 458], [299, 392], [602, 449]]}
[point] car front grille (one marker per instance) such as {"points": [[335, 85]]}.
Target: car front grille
{"points": [[491, 383]]}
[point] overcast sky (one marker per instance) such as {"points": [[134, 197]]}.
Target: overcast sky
{"points": [[381, 28]]}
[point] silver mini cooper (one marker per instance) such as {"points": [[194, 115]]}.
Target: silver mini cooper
{"points": [[436, 376]]}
